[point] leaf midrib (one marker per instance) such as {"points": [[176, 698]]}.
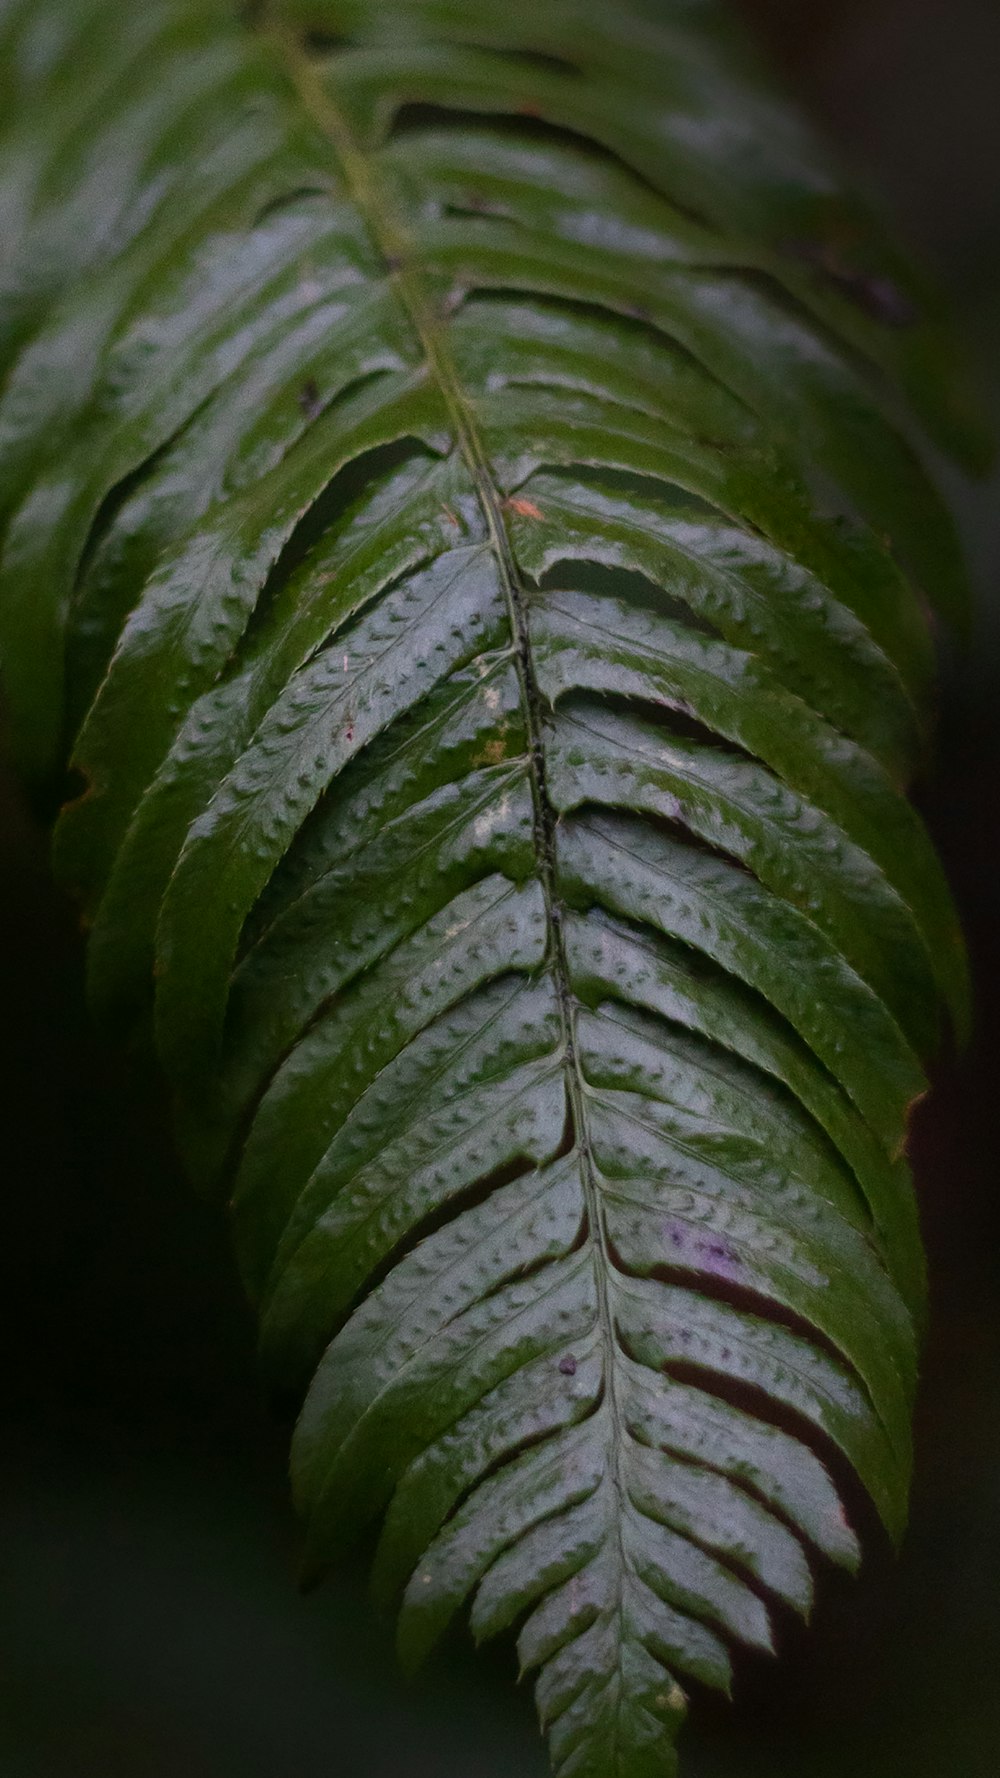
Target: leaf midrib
{"points": [[394, 246]]}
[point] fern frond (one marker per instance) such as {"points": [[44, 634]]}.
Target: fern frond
{"points": [[463, 517]]}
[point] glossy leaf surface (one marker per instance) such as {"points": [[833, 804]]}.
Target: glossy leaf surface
{"points": [[463, 518]]}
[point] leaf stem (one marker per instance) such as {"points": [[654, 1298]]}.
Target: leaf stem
{"points": [[398, 253]]}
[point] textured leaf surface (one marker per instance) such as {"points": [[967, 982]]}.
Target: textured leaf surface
{"points": [[463, 516]]}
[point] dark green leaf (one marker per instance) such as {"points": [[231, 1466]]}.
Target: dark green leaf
{"points": [[464, 521]]}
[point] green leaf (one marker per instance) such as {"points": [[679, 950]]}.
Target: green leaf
{"points": [[464, 522]]}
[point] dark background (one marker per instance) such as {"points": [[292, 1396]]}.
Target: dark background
{"points": [[149, 1622]]}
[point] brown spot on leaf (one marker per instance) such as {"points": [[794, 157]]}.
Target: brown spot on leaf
{"points": [[310, 400], [526, 508], [874, 292]]}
